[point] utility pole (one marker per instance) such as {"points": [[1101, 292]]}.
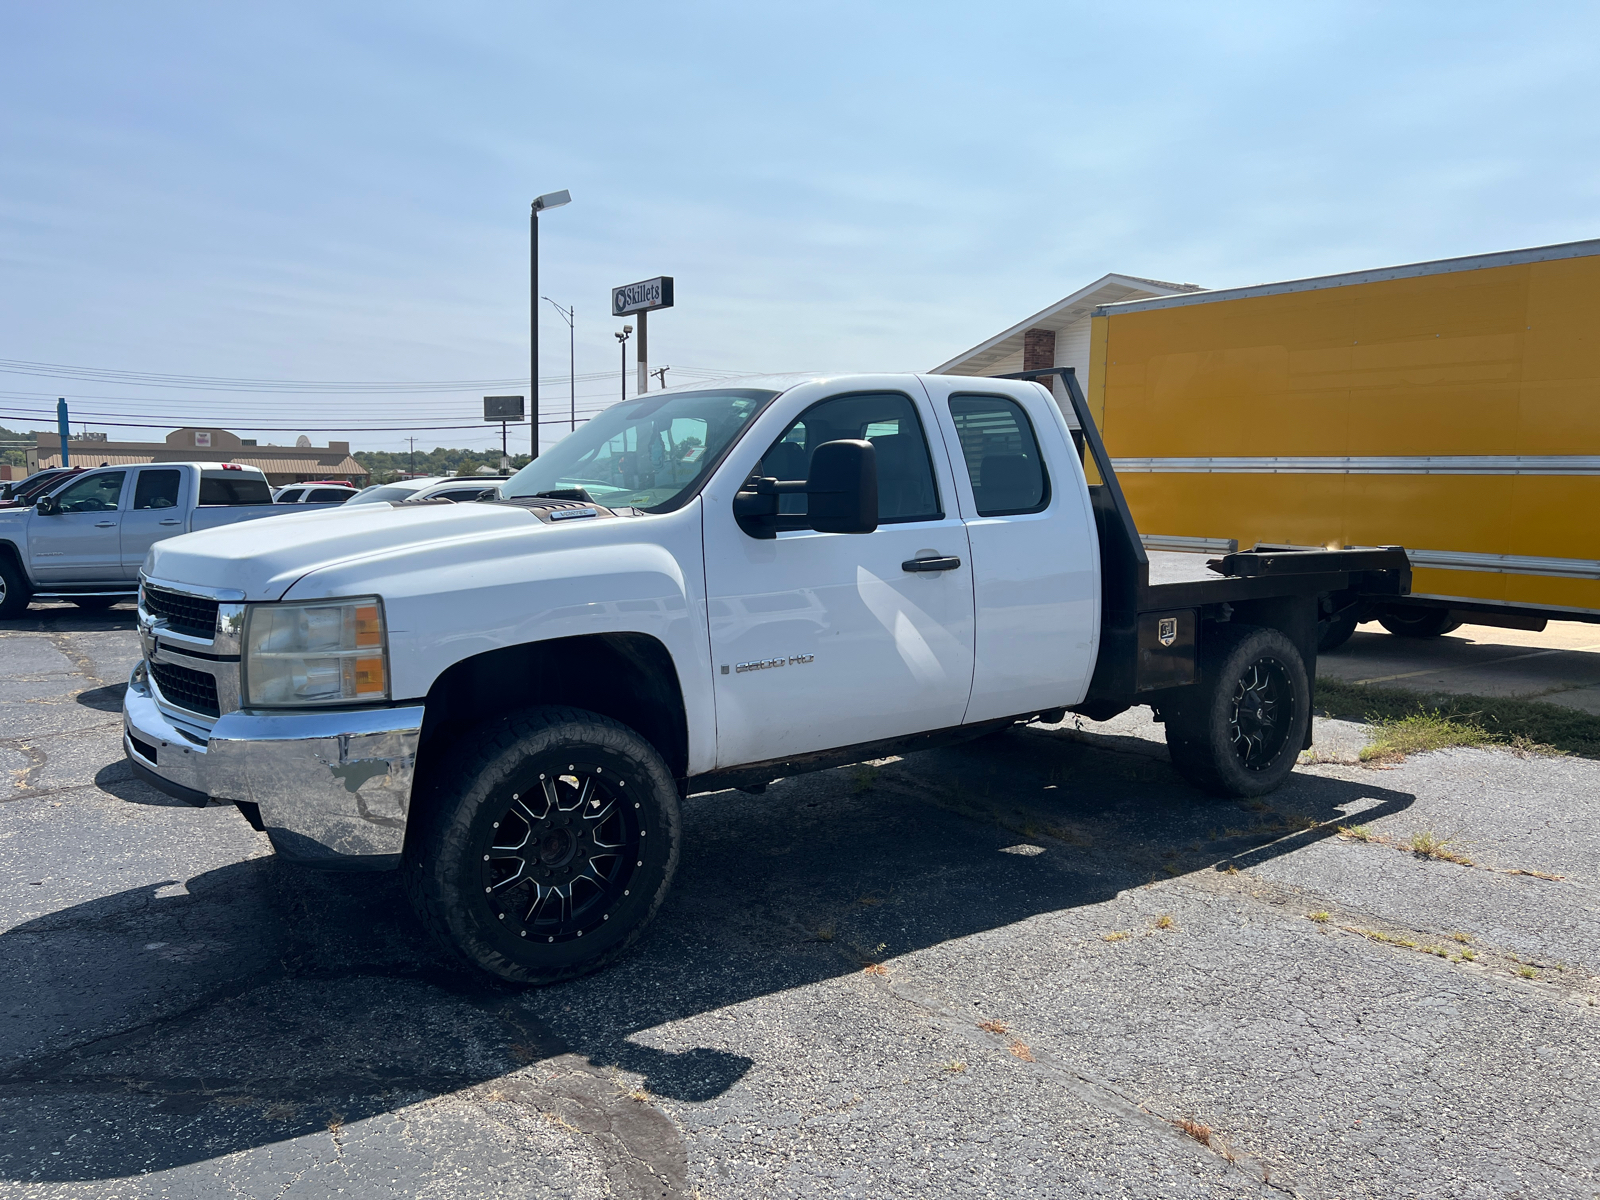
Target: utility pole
{"points": [[661, 375], [413, 442], [64, 428], [572, 360]]}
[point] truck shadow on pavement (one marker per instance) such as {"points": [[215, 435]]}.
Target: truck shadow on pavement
{"points": [[42, 617], [174, 1023]]}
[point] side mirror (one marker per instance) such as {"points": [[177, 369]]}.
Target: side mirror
{"points": [[842, 491], [46, 506], [841, 494]]}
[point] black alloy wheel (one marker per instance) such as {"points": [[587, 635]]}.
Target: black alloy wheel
{"points": [[562, 855], [1239, 731], [1263, 699], [546, 846]]}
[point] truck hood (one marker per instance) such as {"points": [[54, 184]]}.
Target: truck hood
{"points": [[263, 558]]}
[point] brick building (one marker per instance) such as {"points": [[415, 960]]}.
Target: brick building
{"points": [[280, 464]]}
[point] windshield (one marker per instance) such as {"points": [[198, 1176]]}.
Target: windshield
{"points": [[375, 495], [647, 453]]}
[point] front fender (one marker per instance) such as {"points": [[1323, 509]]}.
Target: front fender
{"points": [[459, 602]]}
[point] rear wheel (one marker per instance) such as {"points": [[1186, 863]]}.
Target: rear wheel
{"points": [[14, 593], [1335, 632], [1240, 733], [1418, 622], [550, 849]]}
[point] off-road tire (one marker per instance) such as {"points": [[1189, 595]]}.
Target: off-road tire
{"points": [[1204, 731], [14, 590], [95, 603], [455, 857], [1418, 622], [1335, 632]]}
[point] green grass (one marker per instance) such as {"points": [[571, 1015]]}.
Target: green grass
{"points": [[1410, 722]]}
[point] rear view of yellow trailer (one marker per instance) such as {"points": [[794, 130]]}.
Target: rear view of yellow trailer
{"points": [[1449, 407]]}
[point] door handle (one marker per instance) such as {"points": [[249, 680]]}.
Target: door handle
{"points": [[105, 524], [169, 522], [948, 563]]}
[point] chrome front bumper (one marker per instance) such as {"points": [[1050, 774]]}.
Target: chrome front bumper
{"points": [[333, 787]]}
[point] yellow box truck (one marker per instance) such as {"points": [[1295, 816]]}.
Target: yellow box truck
{"points": [[1449, 407]]}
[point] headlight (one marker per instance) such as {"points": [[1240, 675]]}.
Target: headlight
{"points": [[322, 652]]}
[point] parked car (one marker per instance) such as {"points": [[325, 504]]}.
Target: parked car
{"points": [[315, 491], [699, 589], [24, 492], [436, 487], [85, 539]]}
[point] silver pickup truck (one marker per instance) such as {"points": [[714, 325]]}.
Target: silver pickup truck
{"points": [[86, 540]]}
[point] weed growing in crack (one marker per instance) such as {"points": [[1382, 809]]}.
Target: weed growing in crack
{"points": [[1164, 921], [1321, 918], [1019, 1048], [956, 1067], [1527, 972], [1426, 844], [1199, 1132], [1355, 833], [999, 1028], [1115, 936]]}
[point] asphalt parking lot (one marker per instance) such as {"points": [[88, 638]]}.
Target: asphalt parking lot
{"points": [[1035, 965]]}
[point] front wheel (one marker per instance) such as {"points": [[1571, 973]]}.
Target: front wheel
{"points": [[14, 593], [1241, 731], [549, 850]]}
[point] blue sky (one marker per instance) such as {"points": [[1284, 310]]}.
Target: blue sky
{"points": [[340, 191]]}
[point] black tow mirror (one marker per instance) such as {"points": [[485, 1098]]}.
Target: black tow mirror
{"points": [[841, 494], [46, 506], [842, 490]]}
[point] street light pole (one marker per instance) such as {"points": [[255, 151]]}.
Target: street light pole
{"points": [[548, 200], [572, 359], [622, 345]]}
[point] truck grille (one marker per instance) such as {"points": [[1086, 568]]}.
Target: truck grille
{"points": [[187, 614], [194, 690]]}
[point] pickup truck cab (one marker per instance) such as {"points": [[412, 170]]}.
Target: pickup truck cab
{"points": [[85, 539], [701, 588]]}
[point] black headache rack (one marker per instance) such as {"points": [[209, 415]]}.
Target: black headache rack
{"points": [[1150, 634]]}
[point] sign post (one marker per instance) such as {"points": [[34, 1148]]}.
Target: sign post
{"points": [[642, 298], [62, 428], [503, 409]]}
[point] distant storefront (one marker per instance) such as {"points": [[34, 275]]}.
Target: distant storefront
{"points": [[280, 464]]}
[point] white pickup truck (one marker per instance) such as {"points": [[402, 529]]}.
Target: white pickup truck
{"points": [[701, 588], [86, 540]]}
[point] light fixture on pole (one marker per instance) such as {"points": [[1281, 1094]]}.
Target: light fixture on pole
{"points": [[572, 360], [622, 344], [548, 200]]}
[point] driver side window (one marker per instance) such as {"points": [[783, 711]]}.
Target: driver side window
{"points": [[93, 493], [906, 489]]}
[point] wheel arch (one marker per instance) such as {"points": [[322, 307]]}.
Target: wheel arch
{"points": [[629, 677]]}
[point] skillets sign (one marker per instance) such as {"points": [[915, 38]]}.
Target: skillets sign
{"points": [[642, 297]]}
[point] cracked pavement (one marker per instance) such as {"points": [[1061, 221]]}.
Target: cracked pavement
{"points": [[1016, 967]]}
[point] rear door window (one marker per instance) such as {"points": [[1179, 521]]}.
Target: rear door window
{"points": [[291, 496], [1001, 454], [329, 495], [157, 489]]}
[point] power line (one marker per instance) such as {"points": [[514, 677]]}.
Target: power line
{"points": [[220, 383], [290, 428]]}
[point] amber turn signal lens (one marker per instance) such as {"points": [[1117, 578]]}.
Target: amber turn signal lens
{"points": [[369, 628], [369, 676]]}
